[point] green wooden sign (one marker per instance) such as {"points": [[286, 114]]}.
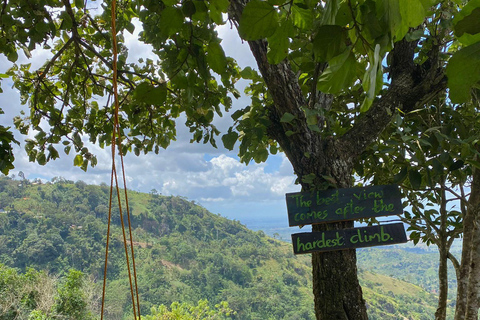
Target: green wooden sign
{"points": [[331, 240], [343, 204]]}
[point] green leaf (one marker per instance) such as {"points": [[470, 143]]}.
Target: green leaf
{"points": [[399, 177], [329, 42], [188, 8], [53, 153], [216, 15], [27, 52], [456, 165], [400, 15], [309, 178], [340, 74], [279, 42], [12, 56], [366, 104], [302, 18], [413, 14], [469, 24], [466, 23], [149, 94], [248, 73], [260, 155], [171, 21], [371, 24], [41, 159], [474, 163], [388, 11], [287, 117], [216, 57], [343, 16], [79, 4], [463, 72], [229, 139], [130, 27], [330, 12], [221, 5], [78, 160], [259, 20], [415, 178], [201, 11], [67, 22], [372, 80]]}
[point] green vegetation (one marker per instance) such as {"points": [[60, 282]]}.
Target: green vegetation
{"points": [[37, 296], [392, 299], [184, 311], [184, 253], [188, 259], [412, 265]]}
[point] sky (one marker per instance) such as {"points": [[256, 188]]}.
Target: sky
{"points": [[213, 178]]}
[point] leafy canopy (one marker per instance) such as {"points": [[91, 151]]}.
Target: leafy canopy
{"points": [[339, 47]]}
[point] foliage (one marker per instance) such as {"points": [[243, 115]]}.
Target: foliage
{"points": [[415, 264], [6, 149], [184, 311], [350, 40], [391, 299], [35, 295], [71, 299]]}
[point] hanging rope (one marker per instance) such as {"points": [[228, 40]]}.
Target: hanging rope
{"points": [[116, 130]]}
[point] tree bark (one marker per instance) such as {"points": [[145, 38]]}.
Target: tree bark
{"points": [[441, 312], [473, 288], [462, 277], [337, 292], [468, 282]]}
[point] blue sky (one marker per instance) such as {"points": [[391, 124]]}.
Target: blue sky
{"points": [[212, 177]]}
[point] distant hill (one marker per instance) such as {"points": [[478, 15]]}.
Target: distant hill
{"points": [[183, 253]]}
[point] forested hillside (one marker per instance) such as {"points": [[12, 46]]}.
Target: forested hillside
{"points": [[184, 254]]}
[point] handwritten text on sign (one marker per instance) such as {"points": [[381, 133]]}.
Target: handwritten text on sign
{"points": [[343, 204], [348, 238]]}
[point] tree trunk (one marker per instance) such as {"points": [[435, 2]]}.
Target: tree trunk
{"points": [[443, 248], [337, 292], [462, 278], [473, 289], [468, 284], [441, 313]]}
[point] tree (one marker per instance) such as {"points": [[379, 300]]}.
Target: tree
{"points": [[319, 94], [436, 173]]}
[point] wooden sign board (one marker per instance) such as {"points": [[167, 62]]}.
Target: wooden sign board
{"points": [[343, 204], [331, 240]]}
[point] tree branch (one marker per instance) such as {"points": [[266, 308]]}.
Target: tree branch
{"points": [[408, 90]]}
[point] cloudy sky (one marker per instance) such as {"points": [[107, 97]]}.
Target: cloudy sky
{"points": [[212, 177]]}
